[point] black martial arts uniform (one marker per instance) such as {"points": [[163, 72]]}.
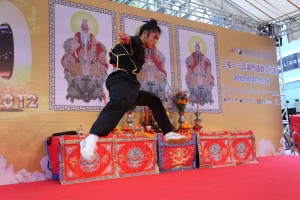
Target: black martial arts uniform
{"points": [[124, 89]]}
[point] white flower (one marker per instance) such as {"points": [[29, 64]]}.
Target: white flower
{"points": [[281, 149], [44, 165], [37, 176], [7, 174], [265, 148], [23, 176]]}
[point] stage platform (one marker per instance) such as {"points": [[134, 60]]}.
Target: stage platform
{"points": [[271, 178]]}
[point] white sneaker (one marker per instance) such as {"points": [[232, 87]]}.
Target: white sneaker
{"points": [[87, 150], [175, 138]]}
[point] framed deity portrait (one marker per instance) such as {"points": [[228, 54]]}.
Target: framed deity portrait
{"points": [[198, 68], [80, 38]]}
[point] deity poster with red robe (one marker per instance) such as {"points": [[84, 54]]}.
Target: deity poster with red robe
{"points": [[79, 43], [198, 70], [157, 74]]}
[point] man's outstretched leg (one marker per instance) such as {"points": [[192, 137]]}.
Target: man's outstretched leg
{"points": [[122, 95], [159, 113], [107, 120]]}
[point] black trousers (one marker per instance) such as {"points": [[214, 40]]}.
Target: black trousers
{"points": [[124, 91]]}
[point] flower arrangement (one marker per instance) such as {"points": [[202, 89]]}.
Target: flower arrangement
{"points": [[180, 98]]}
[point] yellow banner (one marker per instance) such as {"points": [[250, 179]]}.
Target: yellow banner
{"points": [[48, 87]]}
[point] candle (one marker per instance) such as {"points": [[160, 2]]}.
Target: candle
{"points": [[198, 104], [150, 116], [104, 98], [145, 114]]}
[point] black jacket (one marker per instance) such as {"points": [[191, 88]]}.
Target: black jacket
{"points": [[129, 57]]}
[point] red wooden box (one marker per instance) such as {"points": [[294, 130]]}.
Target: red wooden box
{"points": [[136, 155], [118, 155], [173, 157], [214, 149], [74, 169], [243, 147]]}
